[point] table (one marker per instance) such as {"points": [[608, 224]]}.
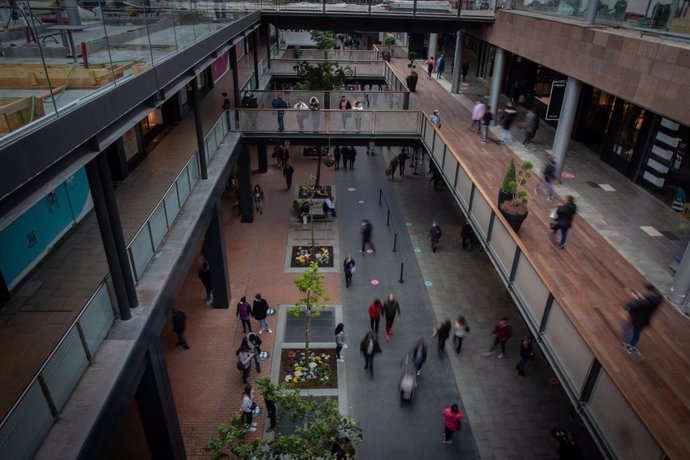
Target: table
{"points": [[69, 29]]}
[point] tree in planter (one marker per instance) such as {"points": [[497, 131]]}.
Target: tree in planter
{"points": [[412, 78], [324, 76], [319, 425], [505, 192], [313, 297], [514, 210], [324, 40], [389, 41]]}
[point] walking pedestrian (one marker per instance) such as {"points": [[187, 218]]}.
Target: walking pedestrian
{"points": [[451, 422], [365, 231], [344, 105], [340, 342], [336, 157], [549, 175], [402, 160], [391, 307], [248, 406], [392, 167], [501, 332], [375, 312], [358, 106], [460, 330], [226, 102], [244, 312], [288, 171], [436, 118], [283, 156], [435, 235], [260, 311], [353, 155], [531, 126], [442, 332], [526, 354], [507, 119], [179, 320], [259, 199], [440, 67], [245, 362], [345, 152], [486, 121], [369, 348], [253, 343], [641, 309], [279, 104], [430, 67], [419, 355], [564, 219], [465, 69], [205, 277], [348, 268], [477, 115]]}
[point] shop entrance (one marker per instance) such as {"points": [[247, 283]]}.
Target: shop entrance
{"points": [[626, 137]]}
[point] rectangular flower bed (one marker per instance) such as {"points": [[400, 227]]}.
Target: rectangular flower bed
{"points": [[302, 256], [319, 370]]}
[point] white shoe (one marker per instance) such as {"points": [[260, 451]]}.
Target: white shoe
{"points": [[341, 360], [270, 331], [500, 355], [344, 346], [254, 423], [261, 331], [252, 429]]}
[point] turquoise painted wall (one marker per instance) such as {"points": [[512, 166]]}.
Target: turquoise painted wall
{"points": [[24, 242]]}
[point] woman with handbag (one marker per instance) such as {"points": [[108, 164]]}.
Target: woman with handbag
{"points": [[248, 406]]}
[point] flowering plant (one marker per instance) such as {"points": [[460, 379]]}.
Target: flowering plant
{"points": [[304, 257], [314, 369]]}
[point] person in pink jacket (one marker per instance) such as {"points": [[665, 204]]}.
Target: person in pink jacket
{"points": [[451, 422], [477, 114]]}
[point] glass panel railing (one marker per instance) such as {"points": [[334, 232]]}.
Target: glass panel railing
{"points": [[665, 16], [183, 188], [158, 225], [567, 8], [503, 244], [24, 428], [141, 251], [481, 211], [172, 205], [64, 368], [98, 317], [531, 289]]}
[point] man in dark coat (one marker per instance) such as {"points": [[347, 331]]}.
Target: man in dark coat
{"points": [[365, 231], [260, 312], [434, 235], [641, 309], [179, 320], [288, 171], [205, 277], [564, 219], [369, 348], [391, 307]]}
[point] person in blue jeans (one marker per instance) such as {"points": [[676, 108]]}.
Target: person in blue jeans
{"points": [[641, 309], [564, 219], [279, 103]]}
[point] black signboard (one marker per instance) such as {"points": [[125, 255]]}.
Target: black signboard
{"points": [[553, 111]]}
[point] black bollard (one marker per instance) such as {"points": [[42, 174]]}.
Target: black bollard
{"points": [[395, 243], [401, 280], [380, 196], [388, 218]]}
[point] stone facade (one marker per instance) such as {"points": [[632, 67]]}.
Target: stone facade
{"points": [[649, 71]]}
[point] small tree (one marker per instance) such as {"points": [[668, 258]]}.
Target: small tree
{"points": [[319, 425], [324, 76], [509, 178], [411, 56], [313, 297], [324, 40]]}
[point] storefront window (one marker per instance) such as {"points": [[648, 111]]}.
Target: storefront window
{"points": [[632, 120]]}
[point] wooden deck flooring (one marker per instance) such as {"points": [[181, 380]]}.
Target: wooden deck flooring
{"points": [[590, 280]]}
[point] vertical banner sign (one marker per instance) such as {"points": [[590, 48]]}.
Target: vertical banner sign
{"points": [[553, 111], [220, 67]]}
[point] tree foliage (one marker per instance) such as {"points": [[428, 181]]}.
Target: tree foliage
{"points": [[318, 425], [324, 76], [313, 296], [324, 40]]}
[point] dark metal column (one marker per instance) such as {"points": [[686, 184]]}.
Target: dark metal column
{"points": [[235, 82], [116, 226], [255, 45], [214, 252], [157, 409], [262, 156], [244, 177], [268, 45], [4, 292], [101, 208], [199, 130]]}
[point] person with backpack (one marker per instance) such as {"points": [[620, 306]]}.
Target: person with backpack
{"points": [[549, 175], [434, 235], [244, 312], [486, 121], [531, 126]]}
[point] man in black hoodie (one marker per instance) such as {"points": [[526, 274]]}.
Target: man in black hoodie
{"points": [[260, 312], [641, 310]]}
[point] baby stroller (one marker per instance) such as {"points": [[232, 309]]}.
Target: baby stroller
{"points": [[408, 379]]}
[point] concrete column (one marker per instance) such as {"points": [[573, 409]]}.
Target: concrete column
{"points": [[116, 226], [199, 130], [101, 208], [433, 44], [72, 10], [255, 46], [262, 156], [678, 294], [244, 174], [497, 80], [457, 64], [590, 11], [214, 252], [156, 408], [565, 122]]}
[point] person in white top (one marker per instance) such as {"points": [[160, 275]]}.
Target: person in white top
{"points": [[358, 117], [302, 114], [247, 407], [477, 114]]}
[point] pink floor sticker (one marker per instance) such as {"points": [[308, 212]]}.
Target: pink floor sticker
{"points": [[370, 251], [361, 202], [351, 189], [567, 175], [374, 282]]}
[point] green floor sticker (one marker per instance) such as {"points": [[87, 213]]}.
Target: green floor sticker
{"points": [[417, 250], [408, 224], [428, 283]]}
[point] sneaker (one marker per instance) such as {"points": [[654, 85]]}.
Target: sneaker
{"points": [[341, 360], [254, 423], [628, 348], [252, 429], [500, 355], [562, 246], [270, 331], [489, 353], [261, 331], [447, 442]]}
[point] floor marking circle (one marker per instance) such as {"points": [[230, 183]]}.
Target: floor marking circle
{"points": [[567, 175], [428, 283], [408, 224], [375, 282], [417, 250], [370, 251], [361, 202], [351, 189]]}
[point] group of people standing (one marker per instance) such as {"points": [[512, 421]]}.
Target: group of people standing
{"points": [[347, 155]]}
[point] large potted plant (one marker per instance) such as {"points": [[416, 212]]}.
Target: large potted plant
{"points": [[515, 209], [412, 78], [505, 193], [389, 41]]}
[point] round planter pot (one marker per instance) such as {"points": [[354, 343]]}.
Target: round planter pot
{"points": [[514, 220]]}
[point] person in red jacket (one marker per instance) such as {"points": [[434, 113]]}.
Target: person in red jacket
{"points": [[451, 422], [502, 332], [375, 310]]}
